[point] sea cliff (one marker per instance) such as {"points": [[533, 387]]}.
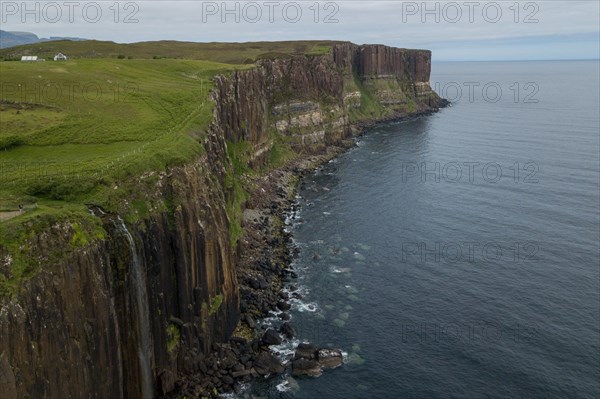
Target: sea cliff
{"points": [[149, 303]]}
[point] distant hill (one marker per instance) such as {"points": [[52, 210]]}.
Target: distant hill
{"points": [[12, 39], [229, 53]]}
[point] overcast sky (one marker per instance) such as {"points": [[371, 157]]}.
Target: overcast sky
{"points": [[461, 30]]}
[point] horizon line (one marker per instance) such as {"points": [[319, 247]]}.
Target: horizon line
{"points": [[522, 60]]}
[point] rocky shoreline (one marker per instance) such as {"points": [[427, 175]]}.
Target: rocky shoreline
{"points": [[266, 280], [264, 256]]}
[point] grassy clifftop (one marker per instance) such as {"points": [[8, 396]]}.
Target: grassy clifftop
{"points": [[229, 53], [72, 128]]}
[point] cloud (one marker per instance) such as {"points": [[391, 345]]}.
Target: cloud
{"points": [[405, 24]]}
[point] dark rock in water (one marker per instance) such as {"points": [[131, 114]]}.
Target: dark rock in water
{"points": [[271, 337], [266, 363], [287, 330], [282, 305], [330, 358], [306, 367], [238, 389], [166, 381], [296, 295], [306, 350], [285, 316]]}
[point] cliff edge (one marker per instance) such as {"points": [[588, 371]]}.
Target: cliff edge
{"points": [[122, 314]]}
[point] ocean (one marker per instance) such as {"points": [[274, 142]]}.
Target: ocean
{"points": [[456, 255]]}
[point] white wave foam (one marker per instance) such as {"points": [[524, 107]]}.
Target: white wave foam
{"points": [[306, 307], [284, 387], [286, 350], [244, 387], [340, 269], [344, 356]]}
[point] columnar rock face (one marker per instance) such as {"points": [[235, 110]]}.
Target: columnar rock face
{"points": [[383, 61], [302, 77], [73, 331], [345, 56], [371, 61], [246, 93], [287, 95], [309, 98], [121, 313]]}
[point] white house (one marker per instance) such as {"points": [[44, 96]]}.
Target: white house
{"points": [[29, 58], [60, 57]]}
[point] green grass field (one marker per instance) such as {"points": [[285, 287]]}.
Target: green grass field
{"points": [[229, 53], [70, 129], [112, 110]]}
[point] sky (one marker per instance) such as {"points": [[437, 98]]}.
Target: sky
{"points": [[453, 30]]}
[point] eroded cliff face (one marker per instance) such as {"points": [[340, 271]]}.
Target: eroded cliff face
{"points": [[301, 97], [314, 100], [79, 328], [126, 314]]}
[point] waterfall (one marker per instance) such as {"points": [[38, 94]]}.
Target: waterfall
{"points": [[138, 286]]}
